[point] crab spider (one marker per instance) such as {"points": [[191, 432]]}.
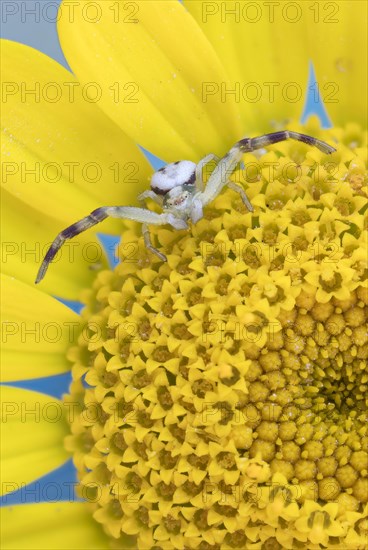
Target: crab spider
{"points": [[178, 188]]}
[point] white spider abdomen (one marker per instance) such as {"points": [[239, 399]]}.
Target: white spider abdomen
{"points": [[177, 173]]}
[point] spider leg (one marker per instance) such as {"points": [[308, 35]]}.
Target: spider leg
{"points": [[240, 190], [221, 174], [149, 194], [93, 218], [125, 212], [149, 245], [197, 210], [250, 144], [201, 164]]}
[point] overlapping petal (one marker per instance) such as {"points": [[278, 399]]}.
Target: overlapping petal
{"points": [[338, 47], [51, 526], [61, 154], [62, 157], [152, 61], [266, 48], [33, 427], [36, 331], [264, 55]]}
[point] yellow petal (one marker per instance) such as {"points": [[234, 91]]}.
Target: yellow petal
{"points": [[33, 428], [79, 157], [26, 236], [266, 49], [36, 331], [338, 48], [151, 60], [265, 57], [54, 526]]}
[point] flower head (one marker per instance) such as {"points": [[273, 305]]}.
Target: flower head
{"points": [[237, 388]]}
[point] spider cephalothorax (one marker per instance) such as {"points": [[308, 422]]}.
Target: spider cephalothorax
{"points": [[179, 189]]}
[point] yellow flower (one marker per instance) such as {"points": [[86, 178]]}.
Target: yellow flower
{"points": [[319, 523], [234, 414]]}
